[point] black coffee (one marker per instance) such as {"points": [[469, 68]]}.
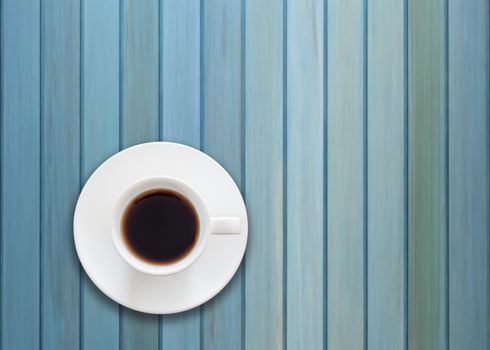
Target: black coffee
{"points": [[160, 226]]}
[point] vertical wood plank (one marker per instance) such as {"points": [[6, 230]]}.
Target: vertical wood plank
{"points": [[305, 180], [139, 84], [346, 301], [60, 174], [180, 122], [100, 139], [264, 182], [386, 175], [20, 192], [140, 123], [180, 71], [469, 304], [427, 243], [222, 139]]}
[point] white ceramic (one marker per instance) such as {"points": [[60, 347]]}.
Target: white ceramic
{"points": [[207, 225], [151, 288]]}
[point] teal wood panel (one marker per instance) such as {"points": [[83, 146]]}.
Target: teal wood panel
{"points": [[180, 122], [180, 331], [140, 123], [264, 174], [346, 226], [20, 170], [139, 82], [427, 178], [60, 173], [180, 71], [469, 274], [386, 175], [305, 175], [222, 139], [99, 140]]}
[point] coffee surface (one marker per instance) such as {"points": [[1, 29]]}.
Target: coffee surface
{"points": [[160, 226]]}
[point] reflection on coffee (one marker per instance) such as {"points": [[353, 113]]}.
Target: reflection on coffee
{"points": [[160, 226]]}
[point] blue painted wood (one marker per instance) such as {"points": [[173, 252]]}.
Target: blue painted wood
{"points": [[180, 71], [427, 180], [469, 274], [100, 139], [63, 103], [139, 72], [386, 202], [222, 139], [180, 331], [264, 174], [305, 170], [140, 123], [60, 173], [345, 229], [180, 122], [20, 169]]}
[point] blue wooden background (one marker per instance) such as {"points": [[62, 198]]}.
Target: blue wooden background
{"points": [[357, 130]]}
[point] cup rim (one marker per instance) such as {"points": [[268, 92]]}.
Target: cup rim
{"points": [[144, 185]]}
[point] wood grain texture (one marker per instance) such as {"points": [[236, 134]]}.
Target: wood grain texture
{"points": [[346, 300], [100, 139], [386, 208], [222, 139], [305, 170], [139, 59], [20, 170], [427, 242], [140, 123], [180, 71], [469, 274], [264, 178], [180, 122], [180, 331], [382, 160], [60, 173]]}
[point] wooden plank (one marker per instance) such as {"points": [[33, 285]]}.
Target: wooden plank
{"points": [[139, 90], [264, 178], [427, 242], [180, 71], [386, 267], [346, 299], [222, 139], [100, 139], [469, 304], [305, 170], [180, 122], [20, 191], [139, 80], [185, 325], [60, 173]]}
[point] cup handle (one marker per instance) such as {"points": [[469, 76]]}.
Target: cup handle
{"points": [[225, 225]]}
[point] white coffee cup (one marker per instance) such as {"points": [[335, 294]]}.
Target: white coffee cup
{"points": [[207, 225]]}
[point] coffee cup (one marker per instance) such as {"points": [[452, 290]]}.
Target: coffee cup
{"points": [[161, 225]]}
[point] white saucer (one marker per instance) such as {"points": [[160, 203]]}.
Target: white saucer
{"points": [[107, 269]]}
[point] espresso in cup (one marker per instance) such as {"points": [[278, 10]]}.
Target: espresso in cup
{"points": [[160, 226]]}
